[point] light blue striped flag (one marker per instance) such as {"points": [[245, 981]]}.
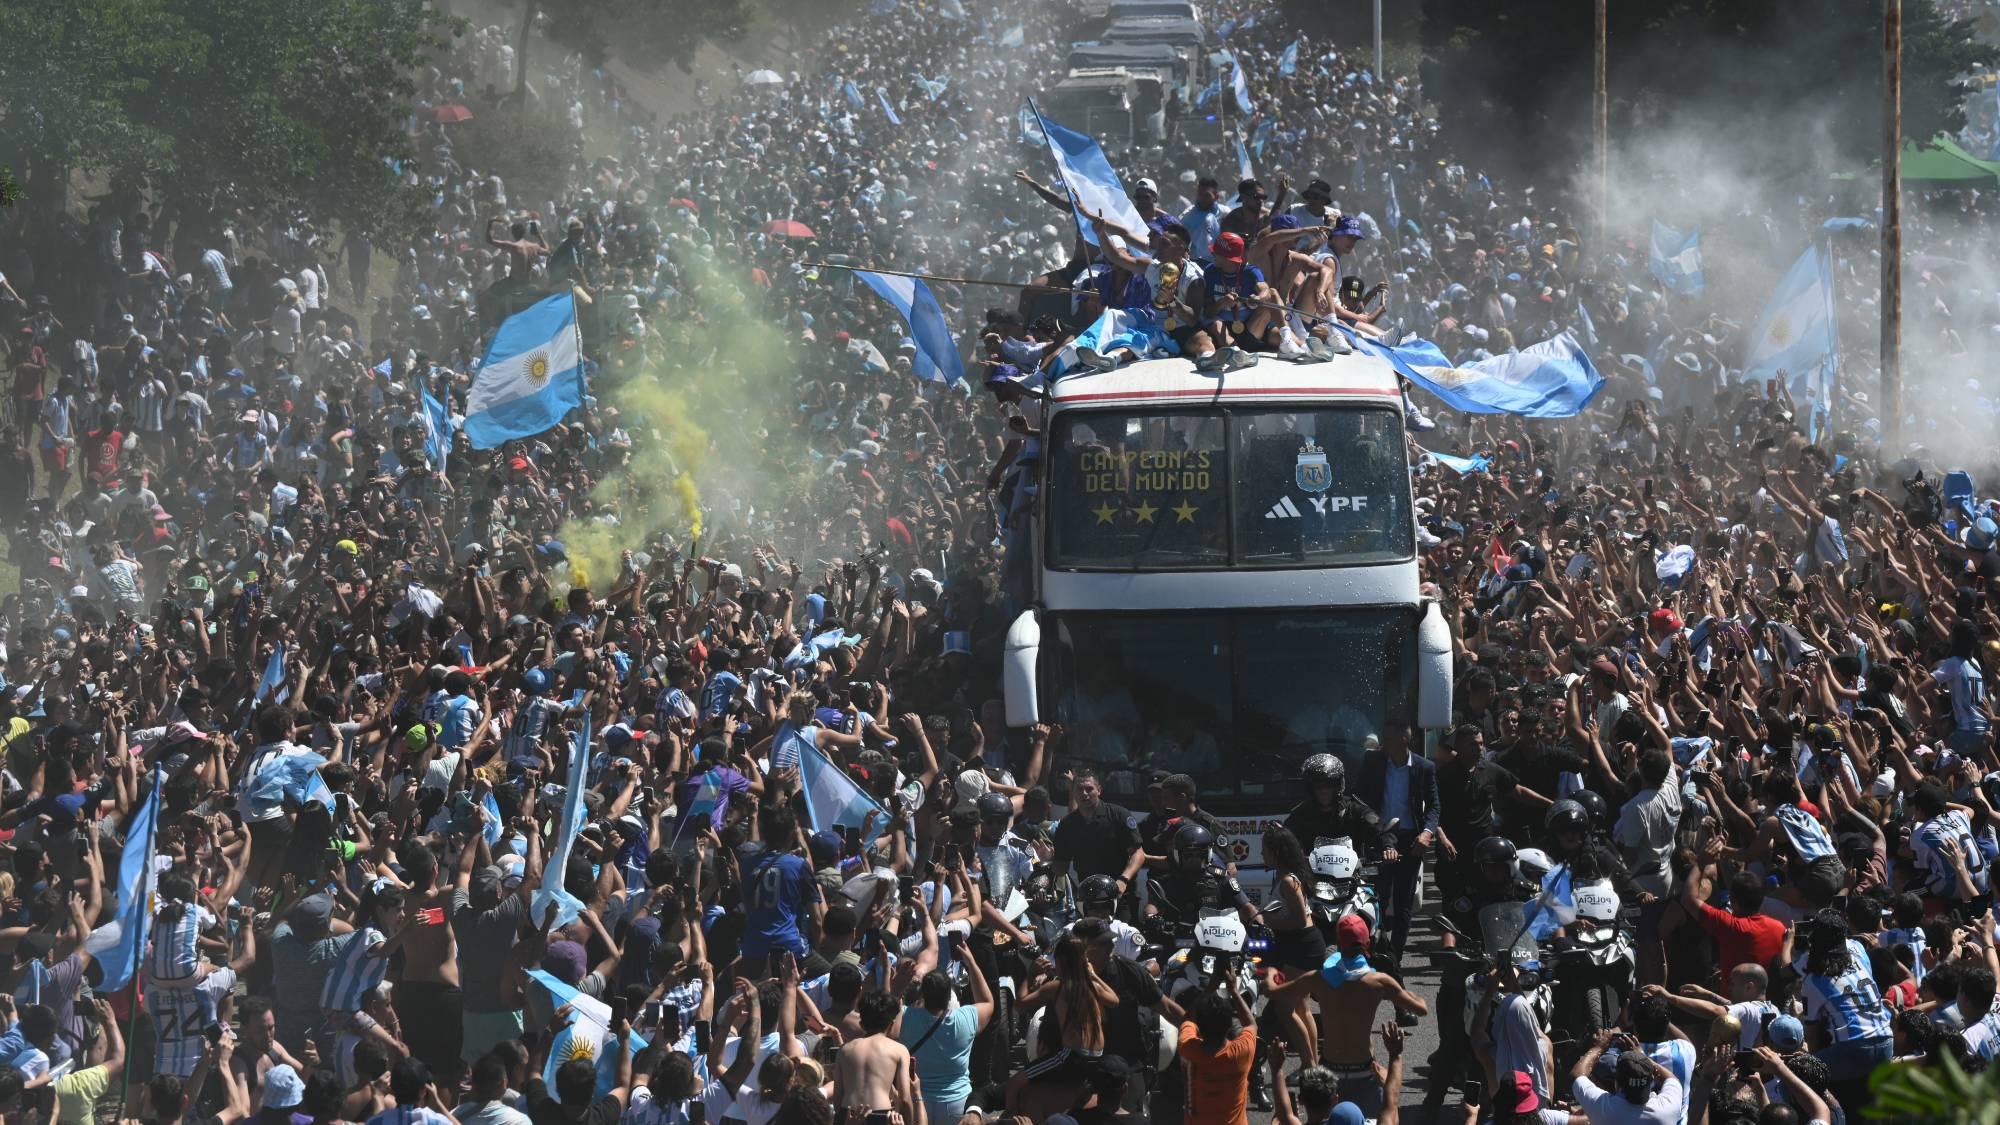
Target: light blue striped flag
{"points": [[1288, 62], [119, 943], [1674, 259], [531, 376], [1477, 463], [437, 431], [576, 778], [937, 359], [1552, 379], [273, 678], [1093, 187], [318, 792], [888, 110], [1244, 170], [1555, 907], [853, 93], [1795, 333], [584, 1037], [834, 799]]}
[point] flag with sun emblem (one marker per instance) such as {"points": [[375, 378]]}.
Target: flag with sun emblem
{"points": [[531, 376], [584, 1036], [1795, 334]]}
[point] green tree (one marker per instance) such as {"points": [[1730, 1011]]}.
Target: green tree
{"points": [[1800, 79], [213, 104]]}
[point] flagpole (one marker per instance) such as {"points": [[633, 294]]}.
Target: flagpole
{"points": [[1892, 222]]}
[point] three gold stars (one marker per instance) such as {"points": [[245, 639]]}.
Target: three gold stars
{"points": [[1145, 511]]}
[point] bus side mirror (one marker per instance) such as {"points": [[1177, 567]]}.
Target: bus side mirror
{"points": [[1433, 670], [1017, 671]]}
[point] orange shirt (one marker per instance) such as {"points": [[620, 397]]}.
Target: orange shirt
{"points": [[1218, 1082]]}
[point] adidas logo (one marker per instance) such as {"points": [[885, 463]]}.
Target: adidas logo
{"points": [[1284, 509]]}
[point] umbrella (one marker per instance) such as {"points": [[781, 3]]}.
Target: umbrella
{"points": [[452, 114], [763, 78], [789, 228]]}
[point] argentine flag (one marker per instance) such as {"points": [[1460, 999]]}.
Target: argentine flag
{"points": [[1675, 259], [287, 775], [1795, 334], [273, 678], [437, 430], [1288, 62], [888, 110], [318, 792], [1552, 379], [833, 798], [1092, 186], [567, 826], [1477, 463], [532, 374], [584, 1038], [119, 943], [1555, 907], [937, 358], [1015, 36]]}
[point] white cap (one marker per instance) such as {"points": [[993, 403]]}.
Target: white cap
{"points": [[1146, 184]]}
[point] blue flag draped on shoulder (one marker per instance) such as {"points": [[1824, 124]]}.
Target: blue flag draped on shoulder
{"points": [[1795, 334], [584, 1036], [937, 358], [567, 826], [1552, 379], [1675, 259], [1092, 185], [1288, 61], [120, 943], [287, 775], [833, 798], [532, 374]]}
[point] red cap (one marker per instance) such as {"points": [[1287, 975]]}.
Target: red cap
{"points": [[1228, 248], [841, 338], [518, 464], [1664, 620], [1351, 932], [1517, 1094]]}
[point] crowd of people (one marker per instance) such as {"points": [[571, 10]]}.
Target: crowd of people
{"points": [[312, 683]]}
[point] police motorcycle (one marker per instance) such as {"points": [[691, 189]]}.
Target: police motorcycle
{"points": [[1340, 886], [1591, 963], [1499, 937]]}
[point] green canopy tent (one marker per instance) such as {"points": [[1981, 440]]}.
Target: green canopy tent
{"points": [[1943, 161]]}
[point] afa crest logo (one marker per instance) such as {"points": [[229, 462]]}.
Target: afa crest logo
{"points": [[1313, 474]]}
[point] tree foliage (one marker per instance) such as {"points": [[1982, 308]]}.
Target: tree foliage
{"points": [[223, 103], [1800, 78]]}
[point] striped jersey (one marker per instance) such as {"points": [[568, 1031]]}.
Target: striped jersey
{"points": [[1849, 1004], [355, 973], [1807, 834], [177, 930], [1926, 844], [181, 1019]]}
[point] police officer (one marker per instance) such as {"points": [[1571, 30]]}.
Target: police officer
{"points": [[1495, 879], [1570, 831], [1330, 811], [1098, 897], [1192, 880]]}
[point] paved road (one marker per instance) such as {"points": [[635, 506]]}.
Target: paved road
{"points": [[1420, 976]]}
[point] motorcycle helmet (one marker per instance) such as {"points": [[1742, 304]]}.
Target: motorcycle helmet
{"points": [[1566, 816], [1324, 769], [1534, 863], [996, 806], [1495, 850], [1098, 890], [1596, 806], [1192, 841]]}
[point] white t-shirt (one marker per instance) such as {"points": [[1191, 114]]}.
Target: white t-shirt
{"points": [[1608, 1107]]}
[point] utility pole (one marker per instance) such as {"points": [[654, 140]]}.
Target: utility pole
{"points": [[1892, 223], [1378, 45], [1600, 120]]}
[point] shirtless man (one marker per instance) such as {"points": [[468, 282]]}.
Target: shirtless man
{"points": [[523, 251], [429, 1004], [873, 1072], [1349, 992], [1295, 276]]}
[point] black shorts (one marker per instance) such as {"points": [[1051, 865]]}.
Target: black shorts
{"points": [[1821, 880], [1066, 1067]]}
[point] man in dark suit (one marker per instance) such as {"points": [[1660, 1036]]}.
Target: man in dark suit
{"points": [[1402, 789]]}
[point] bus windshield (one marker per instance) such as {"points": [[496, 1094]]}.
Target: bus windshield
{"points": [[1237, 700], [1258, 486]]}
